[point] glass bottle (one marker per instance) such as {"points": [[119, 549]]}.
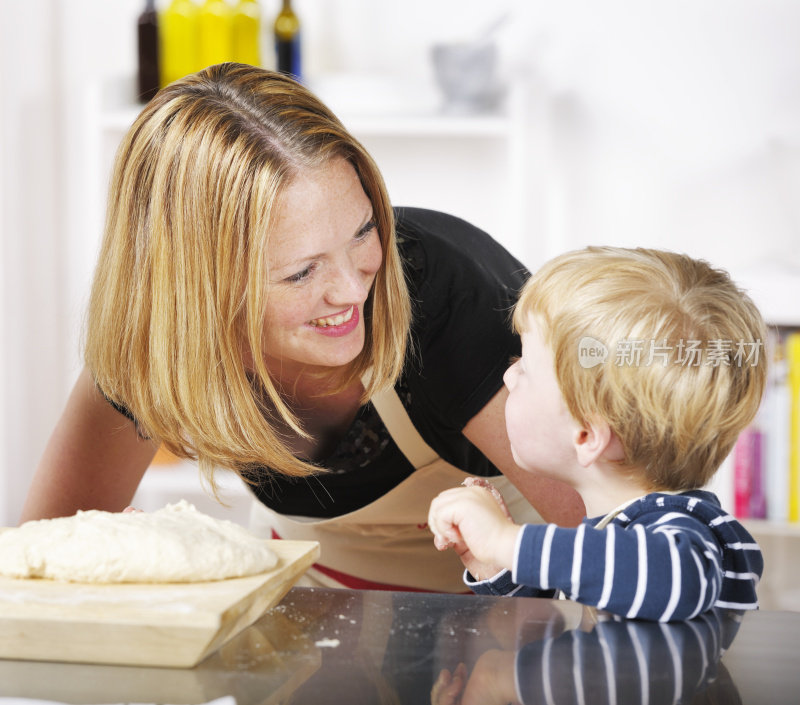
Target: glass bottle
{"points": [[147, 44], [246, 47], [216, 19], [178, 24], [287, 41]]}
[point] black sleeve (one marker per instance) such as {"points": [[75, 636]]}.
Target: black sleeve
{"points": [[463, 286]]}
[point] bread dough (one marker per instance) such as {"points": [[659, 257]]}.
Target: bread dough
{"points": [[174, 544]]}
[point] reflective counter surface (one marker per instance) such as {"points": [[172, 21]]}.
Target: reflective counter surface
{"points": [[331, 646]]}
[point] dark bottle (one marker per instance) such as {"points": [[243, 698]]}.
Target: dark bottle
{"points": [[287, 41], [148, 52]]}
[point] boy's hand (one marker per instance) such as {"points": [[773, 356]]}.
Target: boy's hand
{"points": [[492, 682], [470, 520], [448, 686], [473, 481]]}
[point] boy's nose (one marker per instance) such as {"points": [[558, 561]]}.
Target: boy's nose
{"points": [[509, 376]]}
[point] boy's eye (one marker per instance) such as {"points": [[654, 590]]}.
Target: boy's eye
{"points": [[515, 364]]}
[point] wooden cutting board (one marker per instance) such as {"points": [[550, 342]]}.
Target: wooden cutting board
{"points": [[174, 624]]}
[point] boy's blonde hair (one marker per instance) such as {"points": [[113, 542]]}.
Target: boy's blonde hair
{"points": [[677, 405], [181, 288]]}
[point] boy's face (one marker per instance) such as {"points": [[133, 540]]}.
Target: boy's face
{"points": [[539, 426]]}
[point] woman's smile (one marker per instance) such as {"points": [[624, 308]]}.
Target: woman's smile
{"points": [[339, 324]]}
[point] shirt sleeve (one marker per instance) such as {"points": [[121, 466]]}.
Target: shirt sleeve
{"points": [[667, 568], [503, 585]]}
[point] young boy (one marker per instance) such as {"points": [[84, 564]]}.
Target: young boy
{"points": [[639, 370]]}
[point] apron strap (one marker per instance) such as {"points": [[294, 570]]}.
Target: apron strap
{"points": [[402, 430]]}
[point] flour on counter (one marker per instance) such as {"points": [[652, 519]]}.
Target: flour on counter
{"points": [[327, 643], [174, 544]]}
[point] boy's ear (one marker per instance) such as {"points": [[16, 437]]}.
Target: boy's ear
{"points": [[594, 440]]}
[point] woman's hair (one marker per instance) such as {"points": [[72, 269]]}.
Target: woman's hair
{"points": [[665, 348], [181, 288]]}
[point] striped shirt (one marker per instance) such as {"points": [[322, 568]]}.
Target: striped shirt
{"points": [[664, 557]]}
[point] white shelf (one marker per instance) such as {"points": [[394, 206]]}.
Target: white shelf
{"points": [[119, 119], [441, 125], [764, 527], [406, 114], [779, 588]]}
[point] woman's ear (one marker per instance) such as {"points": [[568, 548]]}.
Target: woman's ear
{"points": [[594, 440]]}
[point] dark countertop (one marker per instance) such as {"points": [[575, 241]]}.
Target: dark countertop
{"points": [[333, 646]]}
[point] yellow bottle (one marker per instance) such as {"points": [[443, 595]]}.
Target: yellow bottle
{"points": [[793, 362], [178, 30], [247, 33], [216, 19]]}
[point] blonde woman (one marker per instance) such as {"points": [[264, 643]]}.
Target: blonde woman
{"points": [[259, 305]]}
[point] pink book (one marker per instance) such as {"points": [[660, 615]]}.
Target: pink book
{"points": [[758, 490], [743, 473]]}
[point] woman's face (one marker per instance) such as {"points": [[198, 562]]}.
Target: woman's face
{"points": [[324, 253]]}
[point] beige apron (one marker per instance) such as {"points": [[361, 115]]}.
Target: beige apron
{"points": [[387, 544]]}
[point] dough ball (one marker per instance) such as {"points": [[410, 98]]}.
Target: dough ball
{"points": [[174, 544]]}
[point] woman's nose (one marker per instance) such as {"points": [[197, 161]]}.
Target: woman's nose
{"points": [[348, 284]]}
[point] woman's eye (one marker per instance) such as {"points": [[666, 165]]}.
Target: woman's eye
{"points": [[300, 276], [366, 230]]}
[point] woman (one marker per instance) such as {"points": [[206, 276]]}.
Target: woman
{"points": [[255, 303]]}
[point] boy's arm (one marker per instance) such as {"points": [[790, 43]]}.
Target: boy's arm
{"points": [[667, 569]]}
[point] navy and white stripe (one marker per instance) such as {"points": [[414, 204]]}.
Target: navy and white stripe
{"points": [[614, 663], [666, 557]]}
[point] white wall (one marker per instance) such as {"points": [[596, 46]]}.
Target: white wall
{"points": [[32, 326], [674, 122], [670, 124], [49, 51]]}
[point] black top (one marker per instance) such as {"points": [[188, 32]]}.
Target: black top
{"points": [[462, 285]]}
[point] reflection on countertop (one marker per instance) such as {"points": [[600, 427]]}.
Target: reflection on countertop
{"points": [[334, 646]]}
